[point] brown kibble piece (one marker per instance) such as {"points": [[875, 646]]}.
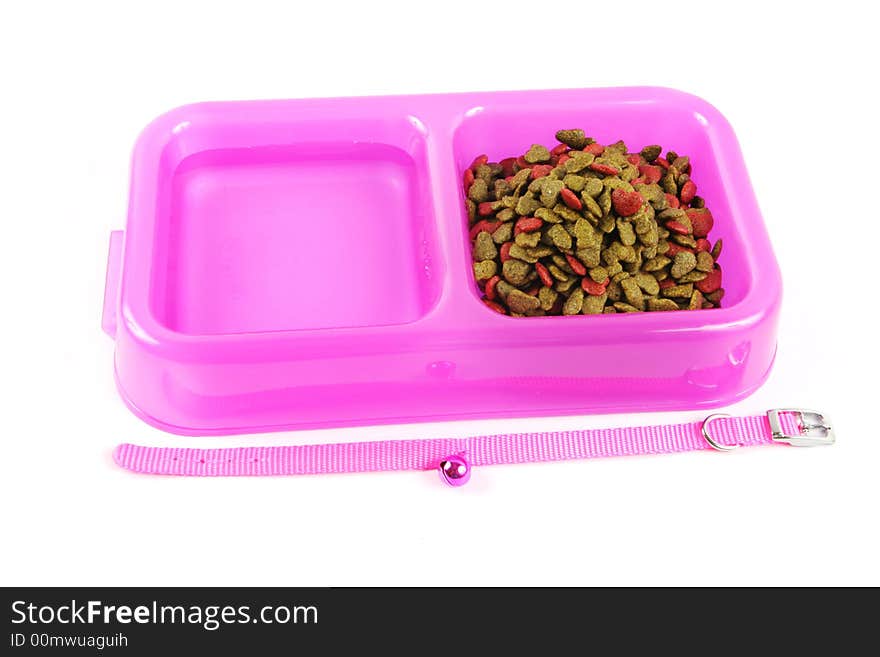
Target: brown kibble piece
{"points": [[692, 277], [589, 255], [647, 283], [678, 291], [606, 223], [471, 210], [682, 163], [537, 154], [565, 286], [547, 216], [520, 302], [558, 274], [550, 192], [651, 153], [515, 272], [574, 182], [547, 297], [503, 288], [560, 237], [656, 263], [591, 205], [668, 183], [527, 240], [574, 138], [574, 303], [479, 191], [632, 292], [485, 269], [598, 274], [523, 253], [578, 161], [484, 247], [503, 233], [526, 206], [684, 262], [705, 261], [593, 305], [626, 233], [661, 304], [593, 187]]}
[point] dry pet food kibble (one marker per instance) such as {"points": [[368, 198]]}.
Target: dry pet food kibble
{"points": [[586, 228]]}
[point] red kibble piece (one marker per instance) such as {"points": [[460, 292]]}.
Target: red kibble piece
{"points": [[557, 306], [483, 225], [666, 282], [576, 266], [626, 204], [494, 305], [508, 178], [541, 170], [711, 283], [504, 252], [559, 150], [607, 169], [651, 173], [563, 159], [594, 148], [522, 164], [468, 179], [490, 287], [637, 181], [544, 274], [527, 225], [479, 160], [485, 209], [634, 158], [533, 291], [570, 199], [676, 227], [688, 191], [701, 220], [662, 162], [508, 166], [703, 245], [672, 201], [592, 287], [676, 248]]}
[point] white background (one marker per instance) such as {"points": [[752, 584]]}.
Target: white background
{"points": [[78, 81]]}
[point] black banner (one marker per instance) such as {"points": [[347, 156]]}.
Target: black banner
{"points": [[399, 621]]}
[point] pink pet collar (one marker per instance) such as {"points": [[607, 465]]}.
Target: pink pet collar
{"points": [[455, 457]]}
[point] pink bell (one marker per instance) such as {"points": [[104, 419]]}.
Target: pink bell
{"points": [[455, 470]]}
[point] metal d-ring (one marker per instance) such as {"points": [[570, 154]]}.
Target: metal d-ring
{"points": [[704, 428]]}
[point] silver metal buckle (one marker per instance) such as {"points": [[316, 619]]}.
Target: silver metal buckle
{"points": [[815, 428]]}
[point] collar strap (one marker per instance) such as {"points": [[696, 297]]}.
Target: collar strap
{"points": [[454, 457]]}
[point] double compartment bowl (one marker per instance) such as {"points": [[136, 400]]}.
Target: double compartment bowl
{"points": [[305, 263]]}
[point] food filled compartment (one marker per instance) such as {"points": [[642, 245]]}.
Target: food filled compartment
{"points": [[323, 233], [625, 214]]}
